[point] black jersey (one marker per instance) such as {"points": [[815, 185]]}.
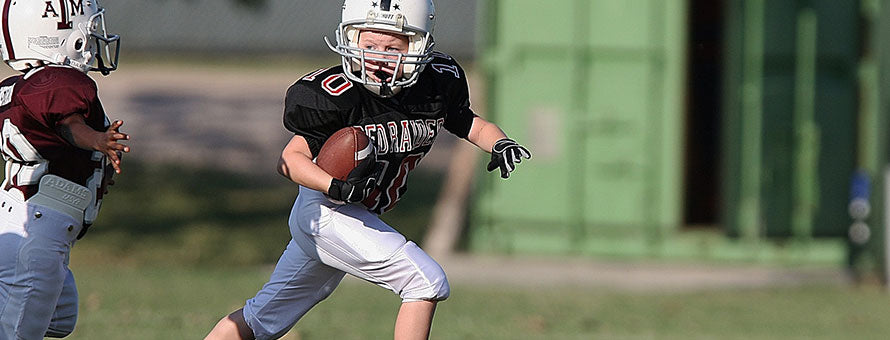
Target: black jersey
{"points": [[402, 127]]}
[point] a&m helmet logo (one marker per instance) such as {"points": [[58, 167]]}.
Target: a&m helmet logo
{"points": [[63, 32], [63, 10]]}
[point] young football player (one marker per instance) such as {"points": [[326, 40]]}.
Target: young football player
{"points": [[402, 94], [60, 152]]}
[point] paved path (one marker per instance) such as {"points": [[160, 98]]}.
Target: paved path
{"points": [[630, 276], [201, 115]]}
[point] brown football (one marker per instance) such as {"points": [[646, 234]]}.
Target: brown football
{"points": [[343, 151]]}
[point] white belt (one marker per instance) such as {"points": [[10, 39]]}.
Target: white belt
{"points": [[62, 195]]}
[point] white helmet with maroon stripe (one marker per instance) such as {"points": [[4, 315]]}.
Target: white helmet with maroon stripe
{"points": [[412, 18], [62, 32]]}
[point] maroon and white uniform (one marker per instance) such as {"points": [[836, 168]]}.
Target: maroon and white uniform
{"points": [[31, 107], [51, 194], [52, 189]]}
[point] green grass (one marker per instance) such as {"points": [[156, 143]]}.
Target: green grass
{"points": [[199, 217], [167, 301]]}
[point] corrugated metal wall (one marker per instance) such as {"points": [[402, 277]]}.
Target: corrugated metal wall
{"points": [[278, 26], [597, 96]]}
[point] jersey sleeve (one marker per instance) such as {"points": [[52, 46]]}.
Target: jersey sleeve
{"points": [[311, 115], [460, 117], [53, 96]]}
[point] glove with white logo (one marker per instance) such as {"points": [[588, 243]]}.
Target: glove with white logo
{"points": [[360, 182], [505, 154]]}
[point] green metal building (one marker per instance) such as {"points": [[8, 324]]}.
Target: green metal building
{"points": [[686, 128]]}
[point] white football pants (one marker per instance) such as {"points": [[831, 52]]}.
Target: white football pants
{"points": [[328, 241]]}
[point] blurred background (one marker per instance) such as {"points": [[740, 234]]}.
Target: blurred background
{"points": [[702, 169]]}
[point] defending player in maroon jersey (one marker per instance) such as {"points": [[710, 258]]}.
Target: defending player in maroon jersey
{"points": [[403, 95], [33, 143], [60, 151]]}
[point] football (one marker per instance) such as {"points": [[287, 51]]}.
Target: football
{"points": [[343, 151]]}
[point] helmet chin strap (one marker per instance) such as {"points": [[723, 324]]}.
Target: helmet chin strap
{"points": [[60, 59], [385, 90], [73, 63]]}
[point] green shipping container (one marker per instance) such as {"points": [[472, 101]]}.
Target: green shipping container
{"points": [[791, 108], [595, 89], [600, 92]]}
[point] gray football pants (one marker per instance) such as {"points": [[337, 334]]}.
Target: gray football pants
{"points": [[38, 296]]}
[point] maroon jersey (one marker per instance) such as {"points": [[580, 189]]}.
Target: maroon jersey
{"points": [[31, 107]]}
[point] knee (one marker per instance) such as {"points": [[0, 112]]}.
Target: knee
{"points": [[428, 281], [435, 290]]}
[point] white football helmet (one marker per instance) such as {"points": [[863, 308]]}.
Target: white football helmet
{"points": [[70, 32], [412, 18]]}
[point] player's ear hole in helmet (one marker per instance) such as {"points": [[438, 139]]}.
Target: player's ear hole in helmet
{"points": [[41, 32], [412, 18]]}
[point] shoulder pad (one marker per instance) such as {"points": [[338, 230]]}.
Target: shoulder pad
{"points": [[57, 91], [324, 89], [442, 57], [57, 77]]}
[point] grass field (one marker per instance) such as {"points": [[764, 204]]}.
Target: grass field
{"points": [[179, 302], [200, 217]]}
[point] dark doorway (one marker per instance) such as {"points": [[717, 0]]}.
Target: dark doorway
{"points": [[704, 110]]}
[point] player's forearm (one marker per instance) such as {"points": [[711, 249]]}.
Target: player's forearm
{"points": [[300, 170], [484, 134], [74, 130], [296, 164]]}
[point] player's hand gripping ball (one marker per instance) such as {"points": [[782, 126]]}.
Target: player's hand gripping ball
{"points": [[505, 154], [349, 156]]}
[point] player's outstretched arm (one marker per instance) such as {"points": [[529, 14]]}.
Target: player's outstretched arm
{"points": [[484, 134], [505, 152], [75, 130]]}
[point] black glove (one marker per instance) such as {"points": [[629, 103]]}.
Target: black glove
{"points": [[360, 182], [504, 154]]}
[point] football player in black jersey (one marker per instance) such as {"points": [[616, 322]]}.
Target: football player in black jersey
{"points": [[402, 94]]}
